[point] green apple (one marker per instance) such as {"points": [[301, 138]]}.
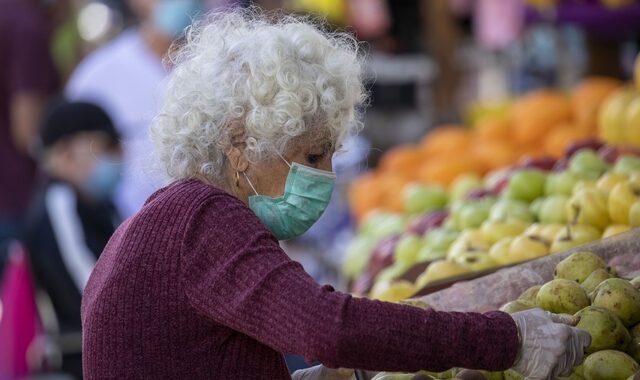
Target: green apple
{"points": [[499, 252], [463, 184], [507, 209], [609, 180], [395, 270], [424, 198], [472, 213], [497, 230], [440, 238], [380, 224], [627, 164], [621, 197], [584, 184], [535, 207], [588, 164], [574, 236], [561, 183], [526, 185], [357, 254], [634, 214], [588, 207], [437, 243], [552, 209], [525, 247], [407, 249]]}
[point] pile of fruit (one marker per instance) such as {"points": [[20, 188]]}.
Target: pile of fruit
{"points": [[608, 307], [521, 183], [536, 208], [539, 124]]}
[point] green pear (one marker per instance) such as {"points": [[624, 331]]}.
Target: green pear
{"points": [[633, 349], [494, 375], [562, 296], [578, 266], [512, 375], [609, 365], [594, 279], [517, 305], [620, 297], [607, 332], [530, 294]]}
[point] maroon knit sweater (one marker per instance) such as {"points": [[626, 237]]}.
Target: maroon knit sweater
{"points": [[195, 287]]}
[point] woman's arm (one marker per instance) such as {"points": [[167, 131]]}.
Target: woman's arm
{"points": [[235, 272]]}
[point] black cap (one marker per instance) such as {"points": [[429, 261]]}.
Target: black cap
{"points": [[64, 119]]}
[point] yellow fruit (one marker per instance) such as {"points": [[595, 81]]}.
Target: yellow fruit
{"points": [[392, 291], [439, 270], [632, 122], [621, 197], [609, 180], [500, 252], [615, 229], [611, 118]]}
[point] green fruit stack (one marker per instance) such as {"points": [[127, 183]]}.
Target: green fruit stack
{"points": [[609, 309], [510, 216]]}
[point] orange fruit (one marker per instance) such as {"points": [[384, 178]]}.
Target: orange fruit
{"points": [[587, 98], [497, 129], [562, 136], [495, 154], [444, 170], [446, 139], [403, 159], [536, 113]]}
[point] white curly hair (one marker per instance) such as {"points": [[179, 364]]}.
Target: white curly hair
{"points": [[279, 77]]}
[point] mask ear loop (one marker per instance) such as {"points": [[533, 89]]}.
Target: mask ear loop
{"points": [[250, 184], [285, 161]]}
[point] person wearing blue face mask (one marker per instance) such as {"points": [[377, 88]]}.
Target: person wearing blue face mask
{"points": [[125, 77], [72, 215]]}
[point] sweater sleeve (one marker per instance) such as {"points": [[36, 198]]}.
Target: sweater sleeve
{"points": [[235, 273]]}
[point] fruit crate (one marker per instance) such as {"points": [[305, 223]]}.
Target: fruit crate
{"points": [[488, 290]]}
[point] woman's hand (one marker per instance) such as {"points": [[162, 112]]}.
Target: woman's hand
{"points": [[321, 372], [550, 346]]}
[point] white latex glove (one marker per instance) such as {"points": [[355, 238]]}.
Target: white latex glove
{"points": [[551, 347], [321, 372]]}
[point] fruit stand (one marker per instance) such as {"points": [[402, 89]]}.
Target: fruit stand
{"points": [[599, 282], [547, 217]]}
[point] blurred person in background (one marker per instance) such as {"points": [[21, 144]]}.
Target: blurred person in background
{"points": [[27, 78], [125, 78], [72, 216]]}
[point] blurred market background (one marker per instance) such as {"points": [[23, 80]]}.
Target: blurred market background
{"points": [[461, 92]]}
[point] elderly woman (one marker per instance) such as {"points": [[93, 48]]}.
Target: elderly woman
{"points": [[196, 286]]}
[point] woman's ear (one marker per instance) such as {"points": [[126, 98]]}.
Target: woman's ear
{"points": [[236, 146]]}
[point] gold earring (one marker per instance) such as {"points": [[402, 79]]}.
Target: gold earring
{"points": [[237, 179]]}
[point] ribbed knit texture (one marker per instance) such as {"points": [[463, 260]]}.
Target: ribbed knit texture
{"points": [[195, 287]]}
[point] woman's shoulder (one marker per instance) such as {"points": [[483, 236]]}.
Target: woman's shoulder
{"points": [[198, 199]]}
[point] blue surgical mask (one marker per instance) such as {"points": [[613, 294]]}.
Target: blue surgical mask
{"points": [[307, 192], [105, 177], [171, 17]]}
